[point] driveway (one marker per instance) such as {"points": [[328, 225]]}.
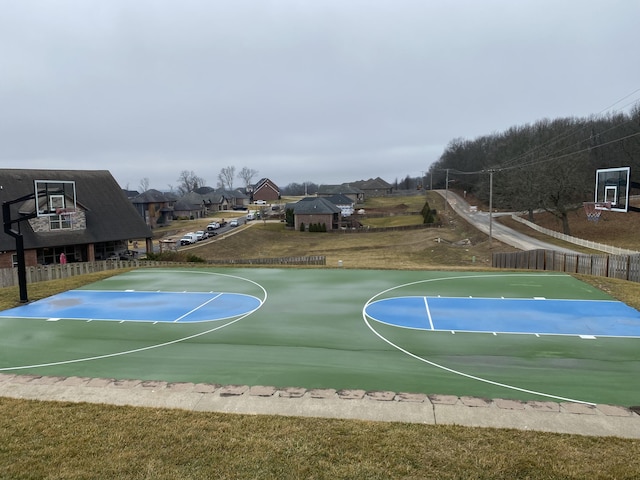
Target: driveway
{"points": [[482, 221]]}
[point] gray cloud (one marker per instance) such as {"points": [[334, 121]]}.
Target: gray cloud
{"points": [[325, 91]]}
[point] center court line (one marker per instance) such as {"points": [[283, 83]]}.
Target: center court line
{"points": [[426, 305], [197, 308]]}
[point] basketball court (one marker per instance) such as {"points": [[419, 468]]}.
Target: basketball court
{"points": [[498, 335]]}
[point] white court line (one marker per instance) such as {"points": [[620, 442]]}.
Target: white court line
{"points": [[157, 345], [448, 369], [426, 305], [197, 308]]}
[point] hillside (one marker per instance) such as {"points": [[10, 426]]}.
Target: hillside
{"points": [[613, 228], [455, 243]]}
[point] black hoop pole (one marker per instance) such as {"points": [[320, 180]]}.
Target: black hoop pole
{"points": [[8, 229]]}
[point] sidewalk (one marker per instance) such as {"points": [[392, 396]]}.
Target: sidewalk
{"points": [[572, 418]]}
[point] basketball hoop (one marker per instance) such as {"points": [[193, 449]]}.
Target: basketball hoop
{"points": [[594, 209]]}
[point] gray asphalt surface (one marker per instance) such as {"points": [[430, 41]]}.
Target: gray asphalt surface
{"points": [[481, 220]]}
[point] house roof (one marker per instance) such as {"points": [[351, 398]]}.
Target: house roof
{"points": [[344, 189], [150, 196], [238, 193], [314, 206], [372, 184], [339, 200], [265, 182], [110, 215], [193, 201]]}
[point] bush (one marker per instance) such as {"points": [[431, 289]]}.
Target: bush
{"points": [[302, 226], [289, 217], [428, 215]]}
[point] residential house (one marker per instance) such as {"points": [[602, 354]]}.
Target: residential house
{"points": [[344, 203], [355, 194], [316, 210], [131, 194], [81, 213], [193, 205], [155, 207], [237, 199], [265, 190], [374, 187]]}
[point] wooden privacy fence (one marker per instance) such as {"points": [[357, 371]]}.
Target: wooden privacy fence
{"points": [[626, 267], [309, 260], [41, 273]]}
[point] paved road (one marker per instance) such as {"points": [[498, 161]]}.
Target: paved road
{"points": [[481, 220]]}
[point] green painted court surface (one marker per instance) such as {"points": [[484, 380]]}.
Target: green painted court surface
{"points": [[311, 330]]}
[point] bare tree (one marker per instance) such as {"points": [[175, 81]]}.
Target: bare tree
{"points": [[188, 181], [246, 175], [144, 184], [225, 177]]}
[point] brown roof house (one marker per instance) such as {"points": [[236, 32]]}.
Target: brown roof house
{"points": [[81, 213], [265, 190], [316, 211]]}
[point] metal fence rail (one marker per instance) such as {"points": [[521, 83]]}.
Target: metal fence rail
{"points": [[625, 267]]}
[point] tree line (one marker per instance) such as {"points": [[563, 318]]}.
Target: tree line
{"points": [[549, 164]]}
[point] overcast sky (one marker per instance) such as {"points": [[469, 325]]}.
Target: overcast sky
{"points": [[327, 91]]}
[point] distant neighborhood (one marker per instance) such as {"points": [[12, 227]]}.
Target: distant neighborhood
{"points": [[71, 216], [328, 206]]}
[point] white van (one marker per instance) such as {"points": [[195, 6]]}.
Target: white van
{"points": [[188, 239], [251, 216]]}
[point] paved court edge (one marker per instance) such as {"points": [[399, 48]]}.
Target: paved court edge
{"points": [[386, 406]]}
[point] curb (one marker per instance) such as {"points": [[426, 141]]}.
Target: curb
{"points": [[384, 406]]}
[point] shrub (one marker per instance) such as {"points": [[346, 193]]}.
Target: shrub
{"points": [[289, 217], [428, 215]]}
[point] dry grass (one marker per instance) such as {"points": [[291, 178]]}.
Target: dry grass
{"points": [[73, 441], [613, 228], [408, 249]]}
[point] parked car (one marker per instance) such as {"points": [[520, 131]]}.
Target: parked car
{"points": [[200, 235], [188, 239], [233, 223], [213, 226], [260, 202]]}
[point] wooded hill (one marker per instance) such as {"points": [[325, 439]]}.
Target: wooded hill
{"points": [[546, 165]]}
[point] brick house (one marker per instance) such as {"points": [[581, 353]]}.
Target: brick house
{"points": [[265, 190], [81, 213], [316, 210]]}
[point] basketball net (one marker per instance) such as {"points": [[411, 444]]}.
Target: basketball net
{"points": [[594, 209]]}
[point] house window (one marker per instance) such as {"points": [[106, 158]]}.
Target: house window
{"points": [[60, 222]]}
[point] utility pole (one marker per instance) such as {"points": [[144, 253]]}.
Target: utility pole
{"points": [[490, 207], [446, 191]]}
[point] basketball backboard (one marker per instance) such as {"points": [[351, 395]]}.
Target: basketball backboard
{"points": [[54, 196], [612, 186]]}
